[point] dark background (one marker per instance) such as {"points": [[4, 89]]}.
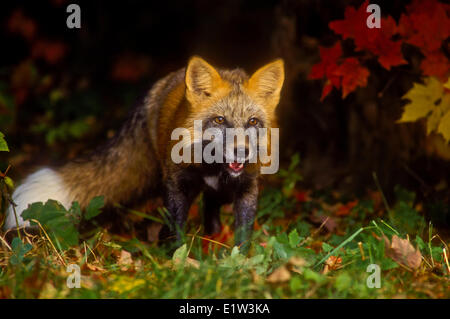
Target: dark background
{"points": [[54, 109]]}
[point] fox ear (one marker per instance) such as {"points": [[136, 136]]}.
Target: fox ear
{"points": [[265, 84], [201, 79]]}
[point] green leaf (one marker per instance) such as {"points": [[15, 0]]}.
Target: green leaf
{"points": [[19, 249], [279, 250], [56, 221], [180, 253], [9, 182], [3, 144], [75, 210], [294, 238], [94, 207]]}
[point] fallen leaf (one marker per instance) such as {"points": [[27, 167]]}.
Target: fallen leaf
{"points": [[332, 263], [328, 222], [345, 209], [281, 274], [93, 267], [297, 261], [190, 262], [125, 260], [402, 252]]}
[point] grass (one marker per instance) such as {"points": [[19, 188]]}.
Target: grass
{"points": [[305, 245]]}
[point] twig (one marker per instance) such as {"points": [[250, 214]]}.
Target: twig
{"points": [[5, 243], [361, 250], [192, 241], [90, 251], [315, 232], [51, 243], [211, 240], [446, 260]]}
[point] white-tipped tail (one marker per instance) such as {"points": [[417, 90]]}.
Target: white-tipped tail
{"points": [[40, 186]]}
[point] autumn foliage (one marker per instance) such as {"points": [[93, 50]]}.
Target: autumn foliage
{"points": [[426, 26]]}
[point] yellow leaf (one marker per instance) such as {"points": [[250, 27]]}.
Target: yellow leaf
{"points": [[438, 113], [444, 126], [423, 99], [447, 84], [428, 100]]}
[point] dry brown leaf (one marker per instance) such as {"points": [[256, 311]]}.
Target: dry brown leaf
{"points": [[297, 261], [328, 222], [93, 267], [187, 262], [403, 252], [332, 263], [281, 274], [125, 260], [296, 264]]}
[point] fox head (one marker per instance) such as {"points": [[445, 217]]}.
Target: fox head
{"points": [[224, 99]]}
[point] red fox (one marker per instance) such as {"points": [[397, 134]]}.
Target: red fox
{"points": [[136, 164]]}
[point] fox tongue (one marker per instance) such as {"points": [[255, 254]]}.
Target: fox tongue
{"points": [[235, 166]]}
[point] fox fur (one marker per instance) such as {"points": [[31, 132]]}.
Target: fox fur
{"points": [[136, 164]]}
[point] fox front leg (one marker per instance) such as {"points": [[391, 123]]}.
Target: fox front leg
{"points": [[211, 215], [177, 201], [245, 205]]}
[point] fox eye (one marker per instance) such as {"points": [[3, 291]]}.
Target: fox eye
{"points": [[253, 121], [219, 119]]}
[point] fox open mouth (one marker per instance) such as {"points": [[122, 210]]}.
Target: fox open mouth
{"points": [[236, 167]]}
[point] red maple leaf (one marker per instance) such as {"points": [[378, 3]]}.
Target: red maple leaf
{"points": [[327, 64], [426, 24], [326, 68], [353, 74], [376, 40], [436, 64], [349, 74], [346, 209]]}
